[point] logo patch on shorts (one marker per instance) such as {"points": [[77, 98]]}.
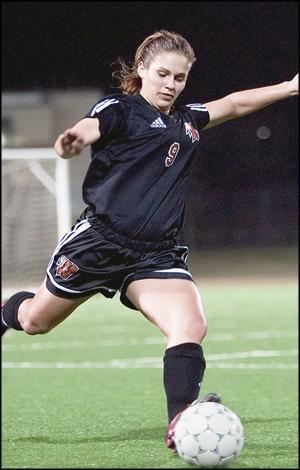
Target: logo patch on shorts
{"points": [[65, 267]]}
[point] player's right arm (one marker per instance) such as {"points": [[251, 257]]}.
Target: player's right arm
{"points": [[72, 141]]}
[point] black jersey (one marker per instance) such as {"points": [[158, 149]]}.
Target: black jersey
{"points": [[137, 179]]}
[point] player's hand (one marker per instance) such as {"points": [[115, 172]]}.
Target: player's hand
{"points": [[68, 144], [294, 85]]}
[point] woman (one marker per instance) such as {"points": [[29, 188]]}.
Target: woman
{"points": [[126, 239]]}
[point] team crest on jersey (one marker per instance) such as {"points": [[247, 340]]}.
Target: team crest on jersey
{"points": [[191, 131], [65, 268]]}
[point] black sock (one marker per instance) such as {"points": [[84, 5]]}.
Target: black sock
{"points": [[4, 327], [184, 367], [9, 312]]}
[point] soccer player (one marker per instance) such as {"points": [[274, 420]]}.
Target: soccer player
{"points": [[142, 148]]}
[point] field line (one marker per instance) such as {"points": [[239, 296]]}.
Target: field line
{"points": [[157, 362], [247, 365], [133, 365], [255, 353], [104, 343]]}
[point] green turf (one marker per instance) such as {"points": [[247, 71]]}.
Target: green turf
{"points": [[113, 417]]}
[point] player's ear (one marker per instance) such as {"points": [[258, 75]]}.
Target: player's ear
{"points": [[141, 69]]}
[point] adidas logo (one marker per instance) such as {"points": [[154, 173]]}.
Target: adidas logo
{"points": [[158, 123]]}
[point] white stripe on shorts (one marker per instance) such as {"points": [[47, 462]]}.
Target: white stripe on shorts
{"points": [[78, 291], [173, 270], [67, 237], [78, 228]]}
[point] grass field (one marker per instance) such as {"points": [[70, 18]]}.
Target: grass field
{"points": [[89, 394]]}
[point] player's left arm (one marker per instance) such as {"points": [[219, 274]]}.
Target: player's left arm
{"points": [[245, 102]]}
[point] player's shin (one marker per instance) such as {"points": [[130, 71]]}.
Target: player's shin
{"points": [[184, 367]]}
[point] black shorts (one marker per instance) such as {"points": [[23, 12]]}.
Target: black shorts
{"points": [[92, 258]]}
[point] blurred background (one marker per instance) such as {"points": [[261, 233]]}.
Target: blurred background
{"points": [[56, 63]]}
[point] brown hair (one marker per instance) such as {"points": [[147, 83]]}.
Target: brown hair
{"points": [[160, 41]]}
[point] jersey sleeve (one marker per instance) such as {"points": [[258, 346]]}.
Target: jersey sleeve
{"points": [[200, 114], [110, 115]]}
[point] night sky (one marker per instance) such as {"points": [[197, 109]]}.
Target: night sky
{"points": [[72, 44], [238, 45]]}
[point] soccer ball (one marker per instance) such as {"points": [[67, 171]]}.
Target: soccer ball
{"points": [[208, 435]]}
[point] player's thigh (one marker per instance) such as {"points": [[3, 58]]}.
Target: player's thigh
{"points": [[174, 305], [46, 310]]}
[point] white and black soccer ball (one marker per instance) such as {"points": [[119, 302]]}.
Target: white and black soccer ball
{"points": [[208, 435]]}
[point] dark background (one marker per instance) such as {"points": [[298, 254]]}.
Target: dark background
{"points": [[243, 189]]}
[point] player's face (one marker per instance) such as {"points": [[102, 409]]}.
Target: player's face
{"points": [[164, 79]]}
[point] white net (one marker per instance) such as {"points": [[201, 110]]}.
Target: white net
{"points": [[30, 214]]}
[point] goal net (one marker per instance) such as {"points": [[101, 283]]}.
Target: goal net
{"points": [[36, 212]]}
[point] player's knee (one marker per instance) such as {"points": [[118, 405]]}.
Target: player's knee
{"points": [[199, 328], [35, 327], [192, 330]]}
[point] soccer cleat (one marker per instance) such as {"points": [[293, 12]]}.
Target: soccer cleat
{"points": [[169, 441], [169, 437]]}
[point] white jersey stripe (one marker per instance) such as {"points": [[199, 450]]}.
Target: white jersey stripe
{"points": [[200, 110], [199, 105], [104, 104]]}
